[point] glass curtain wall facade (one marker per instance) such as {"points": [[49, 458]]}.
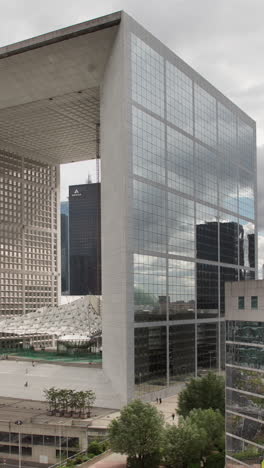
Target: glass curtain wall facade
{"points": [[245, 393], [193, 193]]}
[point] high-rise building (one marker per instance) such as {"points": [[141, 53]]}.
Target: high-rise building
{"points": [[175, 153], [244, 374], [65, 267], [85, 239]]}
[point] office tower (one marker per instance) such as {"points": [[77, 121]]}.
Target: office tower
{"points": [[175, 153], [85, 239], [65, 267], [244, 374]]}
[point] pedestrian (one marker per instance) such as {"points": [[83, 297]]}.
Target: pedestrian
{"points": [[173, 416], [160, 400], [157, 401]]}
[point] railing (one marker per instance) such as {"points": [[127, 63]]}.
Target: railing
{"points": [[83, 452]]}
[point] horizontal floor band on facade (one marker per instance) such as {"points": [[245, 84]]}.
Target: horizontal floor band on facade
{"points": [[258, 395], [245, 416], [153, 253], [244, 440], [178, 322], [242, 343], [236, 460], [252, 369]]}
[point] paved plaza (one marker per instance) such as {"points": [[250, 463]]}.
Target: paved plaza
{"points": [[114, 460]]}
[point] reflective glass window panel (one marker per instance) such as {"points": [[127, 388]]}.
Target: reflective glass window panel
{"points": [[207, 347], [26, 451], [245, 356], [254, 302], [14, 437], [241, 302], [37, 439], [206, 170], [207, 290], [227, 132], [246, 194], [222, 344], [244, 452], [179, 161], [26, 438], [244, 379], [244, 403], [206, 232], [150, 359], [180, 225], [205, 116], [246, 144], [150, 298], [4, 436], [149, 218], [246, 274], [73, 442], [226, 274], [147, 76], [49, 440], [228, 228], [5, 448], [181, 289], [179, 97], [228, 184], [245, 428], [182, 352], [148, 147], [245, 331], [246, 243]]}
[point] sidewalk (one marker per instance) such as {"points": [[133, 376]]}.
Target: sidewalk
{"points": [[114, 460], [167, 407]]}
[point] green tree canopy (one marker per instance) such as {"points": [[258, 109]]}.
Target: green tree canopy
{"points": [[213, 424], [183, 444], [203, 392], [137, 432]]}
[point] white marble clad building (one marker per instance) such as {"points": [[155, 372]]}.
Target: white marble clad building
{"points": [[178, 183]]}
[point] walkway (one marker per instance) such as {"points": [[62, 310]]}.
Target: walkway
{"points": [[112, 461], [167, 408]]}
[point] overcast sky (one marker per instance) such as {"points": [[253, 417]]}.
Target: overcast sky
{"points": [[222, 39]]}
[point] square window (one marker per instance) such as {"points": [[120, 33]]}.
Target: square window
{"points": [[254, 302], [241, 302]]}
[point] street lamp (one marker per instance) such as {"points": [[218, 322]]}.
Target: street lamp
{"points": [[19, 423]]}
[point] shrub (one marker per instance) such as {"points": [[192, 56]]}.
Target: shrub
{"points": [[95, 447], [215, 460]]}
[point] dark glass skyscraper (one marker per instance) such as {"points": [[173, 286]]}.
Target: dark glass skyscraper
{"points": [[65, 280], [85, 239]]}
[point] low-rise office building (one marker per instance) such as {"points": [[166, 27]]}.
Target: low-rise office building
{"points": [[245, 373], [42, 440]]}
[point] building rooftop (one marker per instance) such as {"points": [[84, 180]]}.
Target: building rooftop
{"points": [[35, 412]]}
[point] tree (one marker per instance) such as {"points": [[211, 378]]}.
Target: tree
{"points": [[213, 424], [138, 433], [183, 444], [203, 392]]}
